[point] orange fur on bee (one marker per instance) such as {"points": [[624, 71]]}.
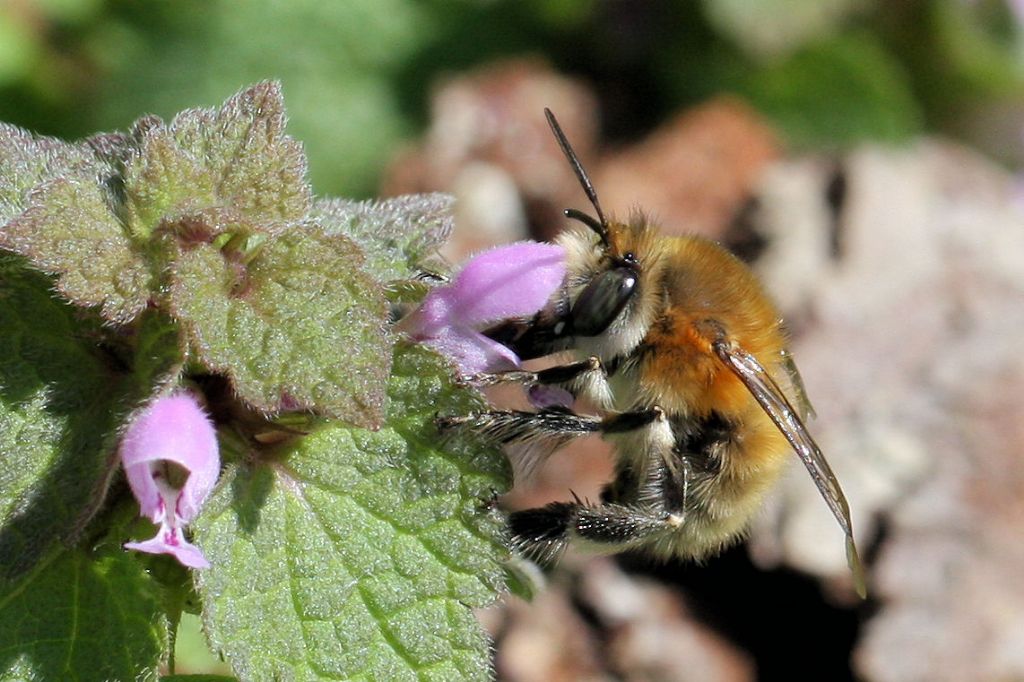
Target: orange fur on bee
{"points": [[709, 292]]}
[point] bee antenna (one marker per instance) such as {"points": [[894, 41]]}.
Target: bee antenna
{"points": [[600, 226], [588, 220]]}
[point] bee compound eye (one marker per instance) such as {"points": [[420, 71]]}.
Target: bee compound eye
{"points": [[603, 300]]}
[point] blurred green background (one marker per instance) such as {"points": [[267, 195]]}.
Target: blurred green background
{"points": [[357, 74]]}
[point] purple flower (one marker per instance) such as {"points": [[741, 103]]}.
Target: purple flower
{"points": [[170, 456], [541, 396], [501, 283]]}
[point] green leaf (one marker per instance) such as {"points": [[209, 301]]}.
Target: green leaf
{"points": [[27, 161], [161, 180], [358, 555], [241, 148], [299, 326], [159, 353], [58, 413], [70, 230], [236, 157], [836, 93], [59, 214], [397, 234], [81, 616]]}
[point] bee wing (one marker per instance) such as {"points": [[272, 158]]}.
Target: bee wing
{"points": [[773, 401], [803, 403]]}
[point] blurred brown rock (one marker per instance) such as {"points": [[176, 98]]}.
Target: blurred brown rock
{"points": [[910, 348], [546, 639], [651, 636], [490, 145], [693, 174], [636, 631]]}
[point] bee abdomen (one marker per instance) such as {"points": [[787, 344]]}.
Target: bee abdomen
{"points": [[705, 442]]}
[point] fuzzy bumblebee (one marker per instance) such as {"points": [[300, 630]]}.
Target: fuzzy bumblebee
{"points": [[681, 349]]}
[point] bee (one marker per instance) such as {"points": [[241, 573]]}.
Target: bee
{"points": [[679, 346]]}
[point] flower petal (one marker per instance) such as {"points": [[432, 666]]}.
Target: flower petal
{"points": [[473, 352], [541, 396], [501, 283], [170, 540], [174, 429], [431, 318], [508, 281]]}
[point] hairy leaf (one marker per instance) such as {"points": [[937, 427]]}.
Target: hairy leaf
{"points": [[70, 230], [27, 161], [162, 180], [58, 410], [299, 326], [82, 616], [242, 148], [397, 234], [236, 157], [357, 554], [56, 209]]}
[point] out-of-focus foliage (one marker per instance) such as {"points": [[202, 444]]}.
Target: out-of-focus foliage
{"points": [[772, 28], [357, 73], [338, 62], [836, 92]]}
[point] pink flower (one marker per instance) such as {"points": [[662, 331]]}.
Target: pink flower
{"points": [[170, 456], [541, 396], [498, 284]]}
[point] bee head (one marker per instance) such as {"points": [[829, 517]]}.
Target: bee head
{"points": [[609, 304], [609, 286]]}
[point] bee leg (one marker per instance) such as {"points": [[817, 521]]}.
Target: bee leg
{"points": [[541, 432], [554, 423], [536, 435], [587, 378], [544, 532], [570, 374], [608, 527], [647, 499]]}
